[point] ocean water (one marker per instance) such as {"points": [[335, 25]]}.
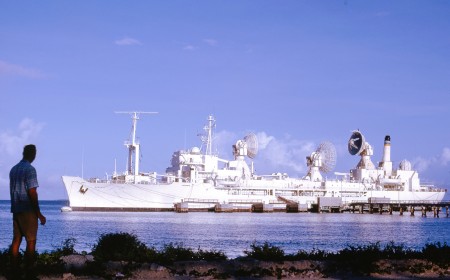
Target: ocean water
{"points": [[232, 233]]}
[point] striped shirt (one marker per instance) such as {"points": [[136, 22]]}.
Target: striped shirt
{"points": [[22, 177]]}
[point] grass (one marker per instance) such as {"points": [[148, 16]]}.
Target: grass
{"points": [[127, 248]]}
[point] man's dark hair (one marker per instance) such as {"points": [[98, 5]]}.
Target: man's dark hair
{"points": [[29, 151]]}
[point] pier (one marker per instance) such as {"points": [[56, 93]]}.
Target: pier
{"points": [[324, 205], [424, 208]]}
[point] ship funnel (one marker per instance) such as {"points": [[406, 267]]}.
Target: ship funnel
{"points": [[387, 149], [386, 163]]}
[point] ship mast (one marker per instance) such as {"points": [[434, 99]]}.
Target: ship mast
{"points": [[209, 134], [133, 145]]}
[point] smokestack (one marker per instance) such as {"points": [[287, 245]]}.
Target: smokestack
{"points": [[387, 149], [386, 162]]}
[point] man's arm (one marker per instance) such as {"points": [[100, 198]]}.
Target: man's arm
{"points": [[32, 193]]}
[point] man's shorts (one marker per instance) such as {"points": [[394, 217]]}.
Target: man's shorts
{"points": [[25, 225]]}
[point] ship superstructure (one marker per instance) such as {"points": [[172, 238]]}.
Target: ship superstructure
{"points": [[200, 180]]}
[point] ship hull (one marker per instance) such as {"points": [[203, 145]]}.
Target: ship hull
{"points": [[111, 196]]}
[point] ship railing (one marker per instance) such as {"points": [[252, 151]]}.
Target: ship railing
{"points": [[97, 180], [431, 188], [199, 200], [118, 181], [277, 202], [155, 182], [244, 201], [304, 187], [415, 201]]}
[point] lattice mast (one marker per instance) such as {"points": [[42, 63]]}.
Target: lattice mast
{"points": [[208, 137], [133, 145]]}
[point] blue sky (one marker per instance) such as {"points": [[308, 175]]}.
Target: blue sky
{"points": [[296, 73]]}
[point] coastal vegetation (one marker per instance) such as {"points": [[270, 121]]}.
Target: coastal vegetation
{"points": [[120, 255]]}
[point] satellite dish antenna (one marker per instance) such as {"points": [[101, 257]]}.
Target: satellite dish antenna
{"points": [[252, 145], [246, 147], [323, 159], [327, 153], [356, 143]]}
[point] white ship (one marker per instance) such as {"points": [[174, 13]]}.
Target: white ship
{"points": [[200, 180]]}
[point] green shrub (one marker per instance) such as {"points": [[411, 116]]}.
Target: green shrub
{"points": [[315, 254], [4, 261], [121, 247], [398, 252], [360, 258], [50, 262], [265, 252], [437, 253], [176, 252], [68, 247], [210, 255]]}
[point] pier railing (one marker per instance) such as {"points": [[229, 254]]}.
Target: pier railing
{"points": [[198, 200]]}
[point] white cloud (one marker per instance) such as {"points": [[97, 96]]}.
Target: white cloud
{"points": [[11, 144], [421, 164], [189, 48], [223, 141], [445, 156], [264, 140], [11, 147], [211, 42], [285, 155], [18, 70], [127, 41]]}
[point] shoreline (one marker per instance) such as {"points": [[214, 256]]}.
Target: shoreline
{"points": [[123, 256], [248, 268]]}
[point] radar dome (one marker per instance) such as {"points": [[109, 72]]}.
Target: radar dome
{"points": [[405, 165], [195, 151]]}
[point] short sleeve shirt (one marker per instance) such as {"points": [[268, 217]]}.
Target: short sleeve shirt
{"points": [[22, 178]]}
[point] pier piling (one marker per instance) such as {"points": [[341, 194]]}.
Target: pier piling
{"points": [[370, 206], [436, 212], [292, 208], [424, 211]]}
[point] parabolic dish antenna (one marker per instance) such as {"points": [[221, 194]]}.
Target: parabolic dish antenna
{"points": [[327, 153], [356, 143], [252, 145]]}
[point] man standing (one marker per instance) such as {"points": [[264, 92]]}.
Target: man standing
{"points": [[25, 206]]}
